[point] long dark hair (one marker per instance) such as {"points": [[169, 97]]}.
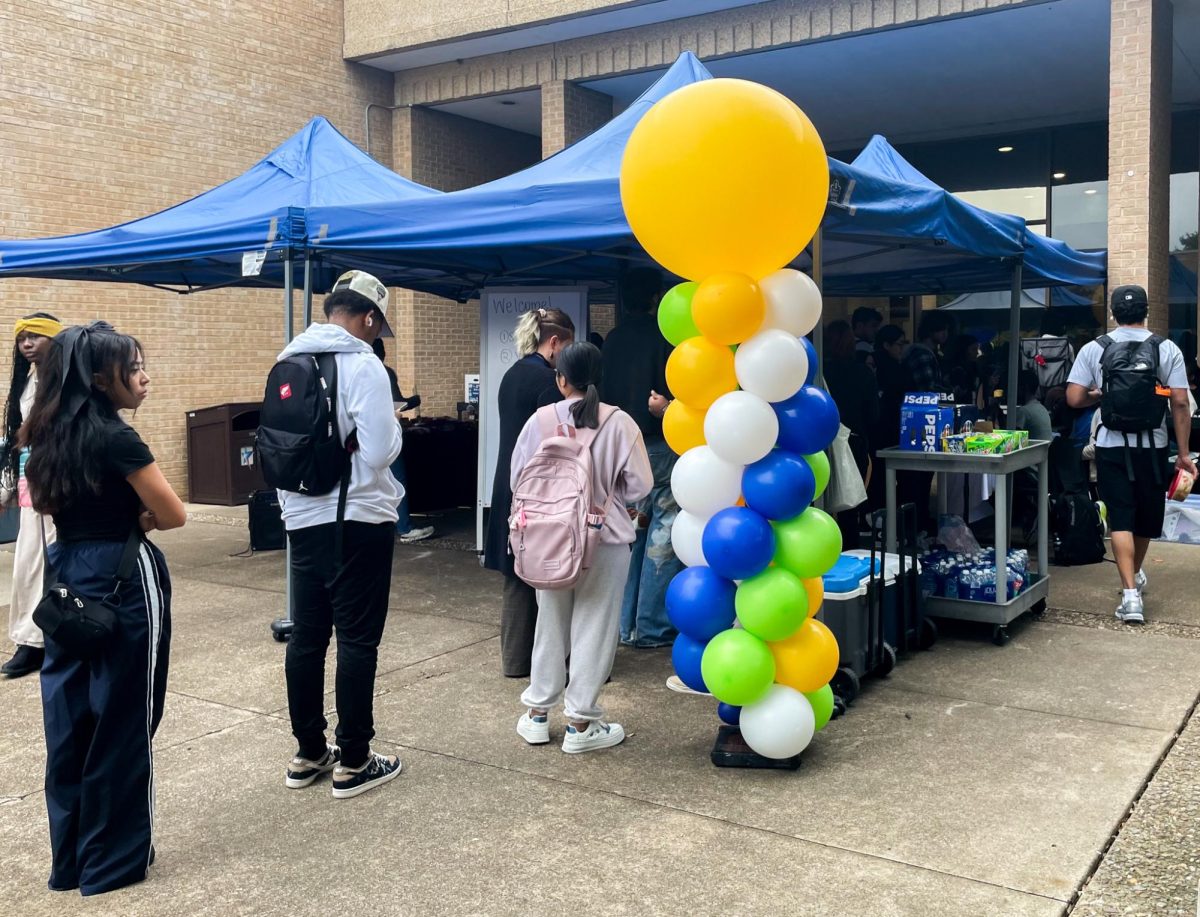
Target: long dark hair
{"points": [[12, 409], [581, 365], [65, 428]]}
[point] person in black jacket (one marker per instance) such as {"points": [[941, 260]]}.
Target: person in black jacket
{"points": [[528, 385], [853, 388]]}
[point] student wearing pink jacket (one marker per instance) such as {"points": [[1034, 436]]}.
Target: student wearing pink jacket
{"points": [[584, 622]]}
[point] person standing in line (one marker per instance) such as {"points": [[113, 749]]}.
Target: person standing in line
{"points": [[1110, 371], [923, 373], [33, 336], [404, 527], [347, 593], [91, 471], [854, 390], [865, 324], [635, 365], [583, 622], [540, 336]]}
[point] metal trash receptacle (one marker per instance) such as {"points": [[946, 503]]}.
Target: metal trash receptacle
{"points": [[222, 465]]}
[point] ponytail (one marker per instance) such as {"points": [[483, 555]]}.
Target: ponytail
{"points": [[580, 364], [537, 326]]}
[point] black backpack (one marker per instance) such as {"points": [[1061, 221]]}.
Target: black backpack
{"points": [[299, 447], [1129, 380], [1077, 530]]}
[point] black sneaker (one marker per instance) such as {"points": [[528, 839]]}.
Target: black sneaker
{"points": [[25, 661], [351, 781], [301, 771]]}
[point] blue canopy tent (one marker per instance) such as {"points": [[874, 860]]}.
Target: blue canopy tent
{"points": [[199, 244]]}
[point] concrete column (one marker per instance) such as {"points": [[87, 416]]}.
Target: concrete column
{"points": [[1139, 149], [570, 112]]}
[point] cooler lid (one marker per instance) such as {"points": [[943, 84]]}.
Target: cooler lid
{"points": [[847, 574]]}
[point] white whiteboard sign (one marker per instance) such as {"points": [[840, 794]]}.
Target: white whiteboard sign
{"points": [[500, 308]]}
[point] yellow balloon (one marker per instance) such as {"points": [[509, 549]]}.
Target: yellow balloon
{"points": [[683, 427], [728, 308], [807, 659], [699, 372], [724, 175], [815, 587]]}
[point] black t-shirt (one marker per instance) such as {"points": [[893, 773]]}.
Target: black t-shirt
{"points": [[111, 514]]}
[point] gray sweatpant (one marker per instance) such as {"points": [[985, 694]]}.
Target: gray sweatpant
{"points": [[584, 623]]}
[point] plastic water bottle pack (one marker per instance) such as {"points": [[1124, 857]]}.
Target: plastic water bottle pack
{"points": [[972, 576]]}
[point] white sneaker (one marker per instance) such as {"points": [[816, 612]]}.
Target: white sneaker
{"points": [[1140, 581], [676, 684], [597, 735], [1131, 611], [534, 729], [414, 535]]}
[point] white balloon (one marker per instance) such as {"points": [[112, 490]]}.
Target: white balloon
{"points": [[773, 365], [779, 725], [687, 534], [740, 427], [703, 483], [793, 302]]}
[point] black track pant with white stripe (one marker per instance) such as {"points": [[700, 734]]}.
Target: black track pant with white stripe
{"points": [[101, 716]]}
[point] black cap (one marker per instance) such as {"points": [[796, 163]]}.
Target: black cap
{"points": [[1129, 294]]}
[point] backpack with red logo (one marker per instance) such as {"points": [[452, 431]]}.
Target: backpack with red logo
{"points": [[299, 447], [555, 522]]}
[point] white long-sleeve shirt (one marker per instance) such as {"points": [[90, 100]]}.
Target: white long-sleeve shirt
{"points": [[365, 407]]}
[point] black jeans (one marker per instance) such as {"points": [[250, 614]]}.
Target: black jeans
{"points": [[351, 597]]}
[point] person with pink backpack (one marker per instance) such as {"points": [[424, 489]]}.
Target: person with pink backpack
{"points": [[576, 467]]}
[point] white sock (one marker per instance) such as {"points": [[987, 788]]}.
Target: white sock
{"points": [[1130, 594]]}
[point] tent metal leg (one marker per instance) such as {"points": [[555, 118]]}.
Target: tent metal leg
{"points": [[1014, 343], [281, 628], [308, 292], [818, 276]]}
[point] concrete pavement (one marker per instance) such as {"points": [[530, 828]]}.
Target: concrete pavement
{"points": [[975, 780]]}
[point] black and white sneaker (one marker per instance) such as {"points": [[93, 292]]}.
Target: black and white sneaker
{"points": [[301, 771], [352, 781]]}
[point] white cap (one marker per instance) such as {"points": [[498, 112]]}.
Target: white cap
{"points": [[370, 288]]}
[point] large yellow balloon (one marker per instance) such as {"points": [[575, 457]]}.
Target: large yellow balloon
{"points": [[699, 372], [807, 659], [724, 175], [815, 587], [728, 308], [683, 427]]}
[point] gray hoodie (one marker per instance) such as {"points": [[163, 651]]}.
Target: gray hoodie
{"points": [[364, 406]]}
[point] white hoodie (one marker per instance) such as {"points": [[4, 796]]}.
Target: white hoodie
{"points": [[365, 406]]}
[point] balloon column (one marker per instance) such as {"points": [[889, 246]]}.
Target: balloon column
{"points": [[723, 182]]}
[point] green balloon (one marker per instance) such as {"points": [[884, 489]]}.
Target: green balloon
{"points": [[737, 667], [809, 544], [822, 704], [675, 313], [772, 605], [819, 463]]}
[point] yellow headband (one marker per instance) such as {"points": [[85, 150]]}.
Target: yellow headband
{"points": [[46, 327]]}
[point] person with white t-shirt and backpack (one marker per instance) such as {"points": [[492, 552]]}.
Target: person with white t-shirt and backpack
{"points": [[577, 466], [1127, 372]]}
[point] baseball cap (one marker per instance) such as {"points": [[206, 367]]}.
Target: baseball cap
{"points": [[1129, 293], [370, 288]]}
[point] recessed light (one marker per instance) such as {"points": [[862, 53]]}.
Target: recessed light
{"points": [[1060, 175], [1005, 149], [1028, 197], [507, 102], [1090, 191]]}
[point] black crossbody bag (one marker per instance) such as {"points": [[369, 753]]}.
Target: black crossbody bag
{"points": [[82, 626]]}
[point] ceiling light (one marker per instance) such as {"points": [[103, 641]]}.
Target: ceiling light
{"points": [[507, 102], [1028, 197], [1090, 191], [1005, 149], [1060, 175]]}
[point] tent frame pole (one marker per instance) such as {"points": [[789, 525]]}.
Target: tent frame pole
{"points": [[282, 627], [289, 309], [818, 276], [1014, 343], [308, 292]]}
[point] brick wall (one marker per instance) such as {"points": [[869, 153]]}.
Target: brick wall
{"points": [[437, 340], [1139, 150], [112, 111], [570, 112]]}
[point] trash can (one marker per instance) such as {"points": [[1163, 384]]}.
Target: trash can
{"points": [[222, 466]]}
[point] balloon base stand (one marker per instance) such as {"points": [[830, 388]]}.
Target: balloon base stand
{"points": [[731, 750]]}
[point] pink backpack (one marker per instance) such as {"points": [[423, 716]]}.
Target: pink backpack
{"points": [[555, 522]]}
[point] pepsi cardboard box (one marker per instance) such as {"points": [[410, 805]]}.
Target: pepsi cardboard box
{"points": [[924, 419]]}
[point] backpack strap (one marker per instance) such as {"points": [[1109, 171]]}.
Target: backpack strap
{"points": [[587, 436]]}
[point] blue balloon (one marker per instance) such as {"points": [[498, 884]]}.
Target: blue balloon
{"points": [[700, 603], [738, 543], [779, 486], [729, 714], [685, 657], [812, 360], [808, 421]]}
